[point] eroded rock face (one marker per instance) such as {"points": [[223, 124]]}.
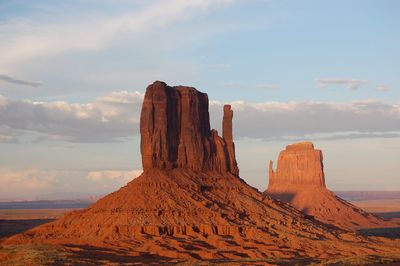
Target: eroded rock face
{"points": [[298, 165], [175, 131], [228, 137], [299, 180]]}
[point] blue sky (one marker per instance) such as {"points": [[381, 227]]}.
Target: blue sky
{"points": [[72, 74]]}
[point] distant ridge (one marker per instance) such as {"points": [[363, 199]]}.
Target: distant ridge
{"points": [[46, 204], [368, 195]]}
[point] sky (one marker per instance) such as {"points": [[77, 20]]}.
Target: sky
{"points": [[73, 75]]}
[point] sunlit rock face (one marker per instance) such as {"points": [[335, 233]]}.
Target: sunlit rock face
{"points": [[299, 165], [175, 131], [300, 180]]}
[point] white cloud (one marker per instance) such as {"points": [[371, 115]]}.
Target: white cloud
{"points": [[26, 40], [116, 116], [382, 87], [117, 176], [14, 184], [108, 118], [12, 80], [8, 135], [36, 183], [297, 120], [3, 101], [351, 84]]}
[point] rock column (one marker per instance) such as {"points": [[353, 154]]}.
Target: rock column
{"points": [[227, 135], [175, 131], [299, 165]]}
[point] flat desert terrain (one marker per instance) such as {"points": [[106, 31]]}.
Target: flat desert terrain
{"points": [[20, 220], [386, 208]]}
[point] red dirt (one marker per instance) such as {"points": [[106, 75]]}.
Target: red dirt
{"points": [[180, 213]]}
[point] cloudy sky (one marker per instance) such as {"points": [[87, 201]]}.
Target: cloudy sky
{"points": [[73, 74]]}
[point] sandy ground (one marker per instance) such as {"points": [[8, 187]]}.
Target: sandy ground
{"points": [[19, 220], [24, 214], [386, 208], [379, 206]]}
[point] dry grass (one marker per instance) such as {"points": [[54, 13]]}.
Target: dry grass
{"points": [[35, 255]]}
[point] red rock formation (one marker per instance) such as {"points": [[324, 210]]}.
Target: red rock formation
{"points": [[228, 138], [299, 180], [175, 130], [189, 204], [298, 165]]}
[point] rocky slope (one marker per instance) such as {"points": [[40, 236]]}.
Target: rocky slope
{"points": [[300, 180], [190, 202]]}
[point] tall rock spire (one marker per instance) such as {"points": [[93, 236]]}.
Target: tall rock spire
{"points": [[271, 170], [227, 135], [175, 131]]}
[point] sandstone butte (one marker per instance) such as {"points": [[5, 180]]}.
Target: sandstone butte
{"points": [[300, 180], [190, 202]]}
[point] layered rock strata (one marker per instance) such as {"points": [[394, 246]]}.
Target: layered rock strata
{"points": [[298, 165], [300, 180], [175, 131]]}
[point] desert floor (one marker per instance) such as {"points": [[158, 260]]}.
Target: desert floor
{"points": [[386, 208], [13, 221], [19, 220]]}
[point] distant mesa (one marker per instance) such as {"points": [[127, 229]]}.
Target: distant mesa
{"points": [[190, 202], [299, 179], [299, 165]]}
